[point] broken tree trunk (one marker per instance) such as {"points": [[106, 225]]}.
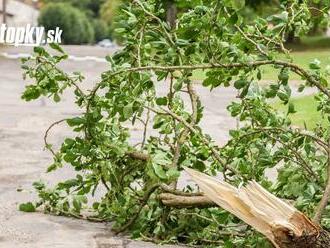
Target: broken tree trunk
{"points": [[281, 223]]}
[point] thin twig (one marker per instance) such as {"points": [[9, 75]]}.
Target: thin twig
{"points": [[47, 145], [326, 195]]}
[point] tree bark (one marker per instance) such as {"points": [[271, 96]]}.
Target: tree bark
{"points": [[4, 11], [179, 201], [171, 13], [316, 240], [291, 38]]}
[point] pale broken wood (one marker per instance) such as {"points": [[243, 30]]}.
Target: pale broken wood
{"points": [[281, 223]]}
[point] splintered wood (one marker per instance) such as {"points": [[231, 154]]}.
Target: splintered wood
{"points": [[281, 223]]}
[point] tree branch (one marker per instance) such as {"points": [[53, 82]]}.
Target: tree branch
{"points": [[178, 201], [326, 195], [47, 145]]}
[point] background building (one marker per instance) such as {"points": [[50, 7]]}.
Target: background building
{"points": [[20, 12]]}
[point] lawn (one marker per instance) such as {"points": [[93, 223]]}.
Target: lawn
{"points": [[309, 49], [304, 53], [302, 58], [306, 114]]}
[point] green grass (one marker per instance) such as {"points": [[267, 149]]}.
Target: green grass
{"points": [[302, 58], [304, 53], [309, 49], [306, 111]]}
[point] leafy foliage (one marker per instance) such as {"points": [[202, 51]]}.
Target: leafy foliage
{"points": [[77, 29], [90, 7], [101, 30], [135, 176]]}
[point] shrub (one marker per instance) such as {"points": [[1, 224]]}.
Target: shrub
{"points": [[76, 27], [100, 30]]}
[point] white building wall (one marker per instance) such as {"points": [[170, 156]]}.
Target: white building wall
{"points": [[20, 14]]}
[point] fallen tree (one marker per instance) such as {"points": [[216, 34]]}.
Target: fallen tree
{"points": [[139, 181]]}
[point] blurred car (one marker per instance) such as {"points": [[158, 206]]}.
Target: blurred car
{"points": [[106, 43]]}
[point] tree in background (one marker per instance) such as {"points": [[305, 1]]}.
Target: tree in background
{"points": [[101, 30], [90, 7], [319, 10], [109, 10], [91, 10], [75, 25], [253, 9]]}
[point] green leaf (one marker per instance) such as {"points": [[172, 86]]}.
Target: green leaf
{"points": [[173, 173], [284, 97], [76, 204], [244, 91], [301, 88], [315, 64], [53, 167], [199, 165], [39, 50], [69, 183], [128, 111], [283, 16], [159, 171], [233, 19], [69, 142], [291, 109], [158, 121], [82, 198], [239, 84], [27, 207], [284, 76], [57, 98], [208, 81], [120, 30], [259, 75], [76, 121], [159, 160], [177, 85], [31, 92], [56, 47], [284, 94], [161, 101], [39, 185]]}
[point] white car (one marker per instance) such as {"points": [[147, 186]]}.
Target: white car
{"points": [[106, 43]]}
